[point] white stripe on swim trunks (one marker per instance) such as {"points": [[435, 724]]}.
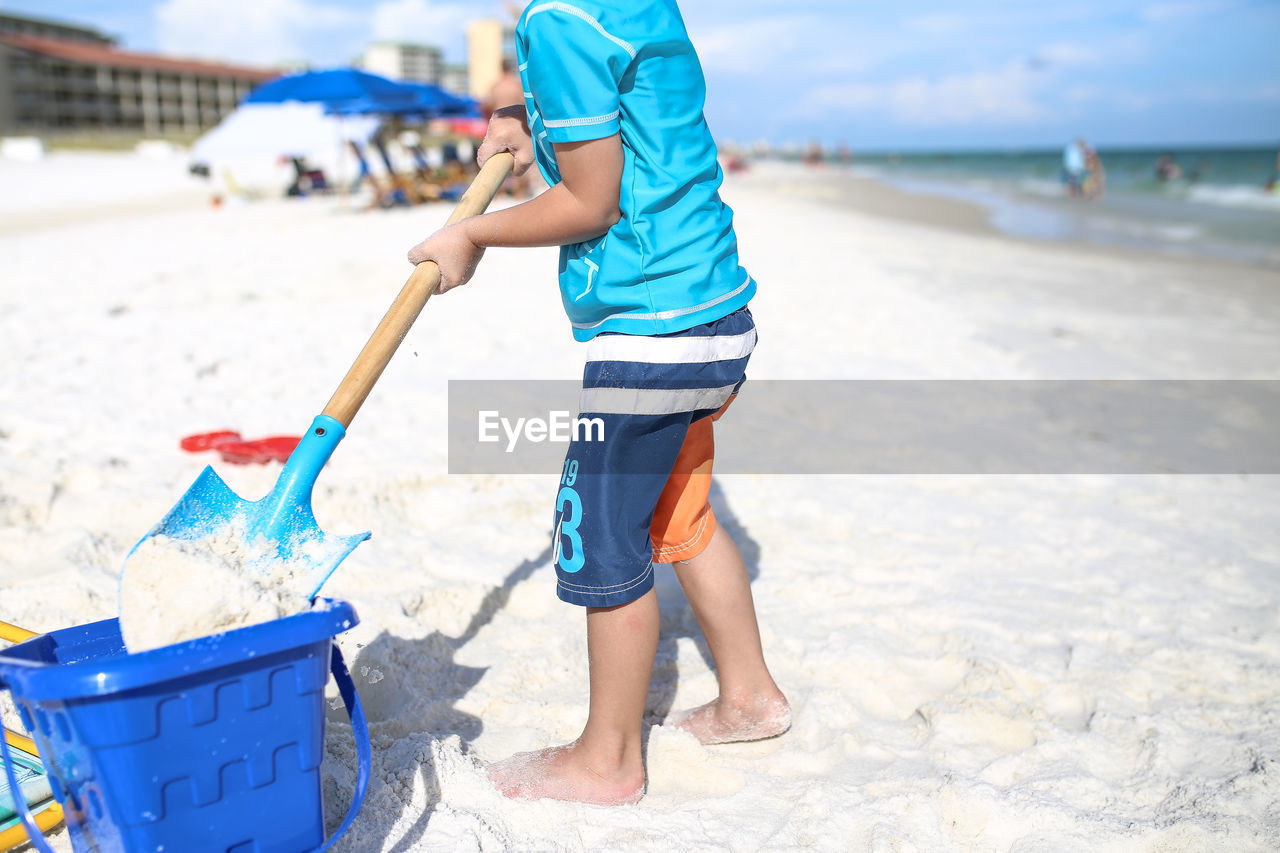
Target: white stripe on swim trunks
{"points": [[652, 401], [683, 350]]}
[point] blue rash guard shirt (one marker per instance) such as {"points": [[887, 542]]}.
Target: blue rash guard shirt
{"points": [[594, 69]]}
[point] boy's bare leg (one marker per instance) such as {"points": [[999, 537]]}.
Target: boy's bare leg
{"points": [[604, 765], [750, 705]]}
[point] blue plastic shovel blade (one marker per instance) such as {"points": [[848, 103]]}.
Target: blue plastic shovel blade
{"points": [[283, 517]]}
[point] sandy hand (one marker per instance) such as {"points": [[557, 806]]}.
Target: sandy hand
{"points": [[453, 251], [508, 131]]}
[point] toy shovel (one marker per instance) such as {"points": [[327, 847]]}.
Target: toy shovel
{"points": [[284, 518]]}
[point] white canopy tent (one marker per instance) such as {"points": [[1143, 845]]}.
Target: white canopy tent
{"points": [[251, 147]]}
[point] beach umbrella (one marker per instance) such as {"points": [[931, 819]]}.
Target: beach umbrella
{"points": [[441, 102], [421, 99], [334, 88], [332, 94]]}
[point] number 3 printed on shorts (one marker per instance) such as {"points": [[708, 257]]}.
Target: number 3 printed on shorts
{"points": [[569, 522]]}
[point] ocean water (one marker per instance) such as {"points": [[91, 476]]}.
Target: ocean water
{"points": [[1219, 207]]}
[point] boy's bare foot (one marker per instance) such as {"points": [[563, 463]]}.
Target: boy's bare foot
{"points": [[562, 773], [735, 720]]}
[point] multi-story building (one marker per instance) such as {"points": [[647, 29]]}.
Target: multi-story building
{"points": [[58, 78], [419, 63], [51, 29], [455, 78]]}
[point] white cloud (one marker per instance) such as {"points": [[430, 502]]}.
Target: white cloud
{"points": [[1130, 101], [437, 22], [1088, 99], [800, 46], [997, 96], [323, 32], [1069, 54], [1084, 94], [261, 32], [758, 44]]}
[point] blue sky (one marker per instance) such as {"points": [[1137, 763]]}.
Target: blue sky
{"points": [[918, 74]]}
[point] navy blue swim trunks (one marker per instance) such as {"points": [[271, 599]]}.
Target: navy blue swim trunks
{"points": [[648, 403]]}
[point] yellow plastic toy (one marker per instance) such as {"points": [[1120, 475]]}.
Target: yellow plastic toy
{"points": [[47, 814]]}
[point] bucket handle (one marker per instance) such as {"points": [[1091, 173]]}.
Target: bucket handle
{"points": [[359, 727]]}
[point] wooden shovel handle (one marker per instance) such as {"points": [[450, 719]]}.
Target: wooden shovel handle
{"points": [[422, 283]]}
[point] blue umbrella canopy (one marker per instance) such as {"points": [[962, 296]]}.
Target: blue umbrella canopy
{"points": [[339, 89], [439, 101], [415, 98]]}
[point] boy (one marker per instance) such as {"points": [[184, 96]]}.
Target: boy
{"points": [[650, 278]]}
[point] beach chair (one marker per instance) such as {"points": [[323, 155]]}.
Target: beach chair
{"points": [[432, 187], [401, 191], [33, 781], [235, 189], [381, 192], [307, 180], [319, 183], [363, 175]]}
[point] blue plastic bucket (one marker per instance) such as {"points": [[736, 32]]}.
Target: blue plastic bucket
{"points": [[213, 744]]}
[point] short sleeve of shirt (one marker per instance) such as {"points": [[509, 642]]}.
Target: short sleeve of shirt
{"points": [[574, 69]]}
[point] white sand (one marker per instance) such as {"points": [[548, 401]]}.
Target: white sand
{"points": [[1001, 663], [173, 590]]}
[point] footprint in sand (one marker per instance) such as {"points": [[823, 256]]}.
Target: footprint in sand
{"points": [[678, 764]]}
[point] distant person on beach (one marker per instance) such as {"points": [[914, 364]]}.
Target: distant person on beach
{"points": [[1073, 167], [1167, 169], [508, 92], [1273, 183], [1095, 177], [306, 180], [650, 279]]}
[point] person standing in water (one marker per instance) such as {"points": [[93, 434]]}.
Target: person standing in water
{"points": [[1095, 176], [1073, 167]]}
